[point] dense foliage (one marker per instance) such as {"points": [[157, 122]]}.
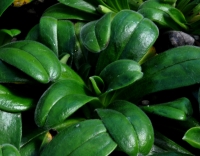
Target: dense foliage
{"points": [[102, 77]]}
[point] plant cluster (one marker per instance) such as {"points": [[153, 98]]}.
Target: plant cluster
{"points": [[89, 79]]}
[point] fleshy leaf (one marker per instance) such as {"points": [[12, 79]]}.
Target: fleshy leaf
{"points": [[192, 137], [54, 98], [81, 137], [95, 35], [32, 58], [132, 36], [120, 73], [179, 109]]}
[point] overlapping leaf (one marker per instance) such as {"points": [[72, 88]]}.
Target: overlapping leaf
{"points": [[132, 36], [120, 129], [10, 128], [179, 109], [163, 14], [9, 150], [84, 136], [120, 73], [95, 35], [171, 69], [58, 35], [32, 58], [61, 11], [141, 123], [6, 35], [61, 100], [80, 5]]}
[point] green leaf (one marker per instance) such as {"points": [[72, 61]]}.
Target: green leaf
{"points": [[171, 69], [170, 154], [120, 73], [120, 129], [179, 109], [9, 150], [59, 101], [66, 38], [97, 84], [134, 4], [139, 120], [58, 35], [69, 73], [131, 38], [13, 102], [168, 145], [61, 11], [85, 136], [192, 137], [65, 107], [118, 5], [103, 139], [80, 5], [48, 33], [7, 35], [32, 146], [33, 33], [32, 58], [10, 128], [95, 35], [4, 4], [10, 74], [163, 14]]}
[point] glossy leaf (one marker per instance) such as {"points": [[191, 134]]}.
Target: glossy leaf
{"points": [[41, 64], [80, 5], [61, 11], [4, 4], [65, 107], [114, 5], [69, 73], [10, 128], [48, 33], [179, 109], [131, 37], [121, 130], [10, 74], [118, 4], [192, 137], [13, 102], [81, 136], [95, 35], [163, 14], [9, 150], [32, 146], [58, 35], [120, 73], [140, 121], [66, 38], [54, 98], [103, 139], [171, 69]]}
